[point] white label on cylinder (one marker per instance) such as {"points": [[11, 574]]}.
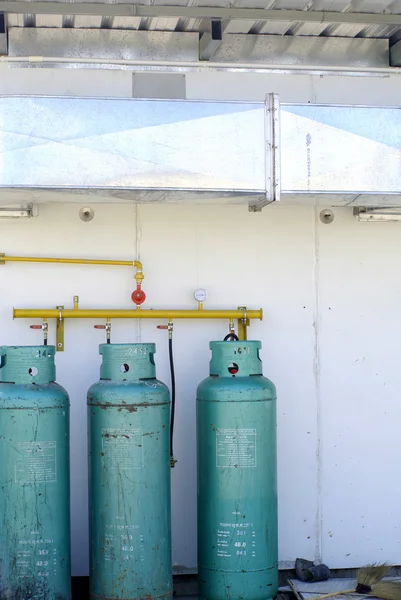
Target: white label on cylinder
{"points": [[35, 462], [38, 553], [122, 542], [236, 539], [122, 449], [236, 448]]}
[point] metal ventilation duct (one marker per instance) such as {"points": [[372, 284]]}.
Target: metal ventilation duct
{"points": [[59, 149], [132, 146], [341, 154]]}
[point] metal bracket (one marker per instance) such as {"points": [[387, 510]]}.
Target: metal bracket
{"points": [[272, 156], [60, 331], [210, 41], [2, 261], [243, 324]]}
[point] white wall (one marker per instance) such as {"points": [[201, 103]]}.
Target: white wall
{"points": [[330, 336]]}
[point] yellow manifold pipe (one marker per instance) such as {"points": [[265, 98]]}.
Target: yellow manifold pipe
{"points": [[138, 313]]}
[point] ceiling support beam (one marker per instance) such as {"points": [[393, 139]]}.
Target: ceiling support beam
{"points": [[395, 54], [210, 41], [3, 35], [196, 12]]}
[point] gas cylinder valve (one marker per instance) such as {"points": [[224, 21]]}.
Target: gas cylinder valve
{"points": [[138, 296], [107, 327], [168, 328], [45, 328]]}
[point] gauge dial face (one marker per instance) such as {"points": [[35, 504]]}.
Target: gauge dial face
{"points": [[200, 295]]}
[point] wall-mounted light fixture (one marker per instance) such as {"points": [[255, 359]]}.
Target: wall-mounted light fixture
{"points": [[18, 212], [377, 215]]}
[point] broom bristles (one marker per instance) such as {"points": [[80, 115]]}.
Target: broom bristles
{"points": [[387, 590], [369, 576], [372, 574]]}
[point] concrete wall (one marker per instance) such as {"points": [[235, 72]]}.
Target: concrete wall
{"points": [[330, 336]]}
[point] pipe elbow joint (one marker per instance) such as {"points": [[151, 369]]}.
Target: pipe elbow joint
{"points": [[139, 276]]}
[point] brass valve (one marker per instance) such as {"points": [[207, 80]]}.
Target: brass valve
{"points": [[168, 327], [107, 327], [44, 327]]}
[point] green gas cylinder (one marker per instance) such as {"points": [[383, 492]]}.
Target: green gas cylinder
{"points": [[34, 477], [237, 489], [129, 464]]}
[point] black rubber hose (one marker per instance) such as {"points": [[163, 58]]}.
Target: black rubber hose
{"points": [[231, 336], [172, 415]]}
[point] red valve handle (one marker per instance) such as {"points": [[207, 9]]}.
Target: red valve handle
{"points": [[162, 326], [138, 296], [99, 326], [36, 326]]}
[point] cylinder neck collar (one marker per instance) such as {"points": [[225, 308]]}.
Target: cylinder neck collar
{"points": [[127, 362], [27, 364], [235, 358]]}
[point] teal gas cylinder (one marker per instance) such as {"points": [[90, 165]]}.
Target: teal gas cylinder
{"points": [[129, 464], [237, 489], [34, 477]]}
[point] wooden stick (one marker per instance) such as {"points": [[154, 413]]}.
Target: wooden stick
{"points": [[333, 594], [292, 586]]}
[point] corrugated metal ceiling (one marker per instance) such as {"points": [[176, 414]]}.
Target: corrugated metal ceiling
{"points": [[275, 27]]}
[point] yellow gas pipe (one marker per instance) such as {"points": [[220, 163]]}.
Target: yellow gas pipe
{"points": [[137, 313], [242, 314], [77, 261], [60, 314], [73, 261]]}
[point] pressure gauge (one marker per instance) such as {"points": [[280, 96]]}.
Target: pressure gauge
{"points": [[200, 295]]}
